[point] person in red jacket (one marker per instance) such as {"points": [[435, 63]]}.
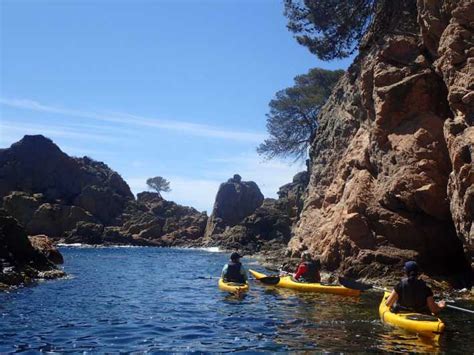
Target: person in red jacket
{"points": [[308, 269]]}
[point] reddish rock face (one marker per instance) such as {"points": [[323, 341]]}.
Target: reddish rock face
{"points": [[46, 247], [391, 175]]}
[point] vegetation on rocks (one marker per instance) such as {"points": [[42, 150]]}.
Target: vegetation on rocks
{"points": [[292, 120], [159, 184], [330, 28]]}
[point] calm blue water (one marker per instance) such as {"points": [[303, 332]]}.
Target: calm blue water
{"points": [[150, 299]]}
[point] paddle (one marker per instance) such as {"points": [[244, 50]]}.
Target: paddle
{"points": [[459, 308], [357, 285]]}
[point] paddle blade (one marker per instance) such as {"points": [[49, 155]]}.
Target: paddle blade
{"points": [[270, 280], [355, 285]]}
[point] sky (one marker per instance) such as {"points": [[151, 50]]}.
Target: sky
{"points": [[175, 88]]}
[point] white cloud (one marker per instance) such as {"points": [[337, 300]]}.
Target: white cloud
{"points": [[14, 129], [140, 121]]}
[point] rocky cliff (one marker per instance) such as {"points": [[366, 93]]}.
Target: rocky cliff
{"points": [[79, 200], [20, 262], [391, 173]]}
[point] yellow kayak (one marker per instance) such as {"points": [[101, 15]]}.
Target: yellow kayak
{"points": [[289, 282], [232, 286], [422, 324]]}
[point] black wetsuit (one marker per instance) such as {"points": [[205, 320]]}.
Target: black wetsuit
{"points": [[412, 294]]}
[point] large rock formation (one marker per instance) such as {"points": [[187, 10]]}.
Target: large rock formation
{"points": [[79, 200], [391, 174], [51, 183], [20, 262], [235, 200], [265, 226]]}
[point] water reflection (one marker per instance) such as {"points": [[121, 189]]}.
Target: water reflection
{"points": [[399, 341], [159, 301]]}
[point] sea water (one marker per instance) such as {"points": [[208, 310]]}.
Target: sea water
{"points": [[155, 299]]}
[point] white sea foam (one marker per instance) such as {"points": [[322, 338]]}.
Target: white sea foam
{"points": [[98, 246], [211, 249], [74, 245], [80, 245]]}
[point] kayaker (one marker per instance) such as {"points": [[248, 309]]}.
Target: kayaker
{"points": [[308, 269], [234, 271], [413, 294]]}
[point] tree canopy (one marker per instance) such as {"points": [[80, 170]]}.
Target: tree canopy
{"points": [[330, 28], [292, 120], [159, 184]]}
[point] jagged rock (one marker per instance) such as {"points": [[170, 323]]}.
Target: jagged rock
{"points": [[54, 219], [267, 228], [391, 163], [235, 200], [87, 233], [46, 247], [101, 202], [291, 195], [20, 262], [22, 205], [163, 222]]}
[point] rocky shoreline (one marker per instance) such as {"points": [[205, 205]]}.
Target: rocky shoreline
{"points": [[71, 210], [390, 175]]}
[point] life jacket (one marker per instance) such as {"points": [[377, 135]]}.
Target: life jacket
{"points": [[312, 272], [412, 294], [233, 273]]}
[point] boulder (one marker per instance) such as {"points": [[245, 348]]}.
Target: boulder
{"points": [[46, 247], [235, 200]]}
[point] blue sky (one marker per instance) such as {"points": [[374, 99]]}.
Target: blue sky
{"points": [[176, 88]]}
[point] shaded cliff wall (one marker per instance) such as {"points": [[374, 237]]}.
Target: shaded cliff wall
{"points": [[391, 174]]}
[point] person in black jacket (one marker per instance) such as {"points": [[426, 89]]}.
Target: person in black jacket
{"points": [[412, 294], [234, 271]]}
